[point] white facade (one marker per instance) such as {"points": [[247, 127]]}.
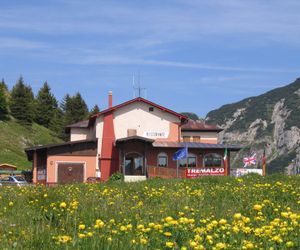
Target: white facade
{"points": [[155, 124], [141, 119], [78, 134], [152, 124]]}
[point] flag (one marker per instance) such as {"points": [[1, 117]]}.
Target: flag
{"points": [[225, 155], [180, 154], [225, 161], [249, 160], [264, 163]]}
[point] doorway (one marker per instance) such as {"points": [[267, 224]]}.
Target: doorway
{"points": [[134, 164]]}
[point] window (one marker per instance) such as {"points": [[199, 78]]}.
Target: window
{"points": [[196, 138], [186, 138], [191, 160], [162, 160], [212, 160], [151, 109]]}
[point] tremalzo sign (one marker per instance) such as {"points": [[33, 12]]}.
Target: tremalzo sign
{"points": [[198, 172]]}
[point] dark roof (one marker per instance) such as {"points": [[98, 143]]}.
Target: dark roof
{"points": [[81, 124], [192, 125], [57, 145], [138, 99], [135, 137], [60, 146], [161, 144]]}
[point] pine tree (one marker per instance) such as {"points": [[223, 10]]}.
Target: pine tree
{"points": [[74, 108], [95, 110], [22, 102], [3, 85], [3, 101], [57, 123], [80, 109], [46, 105]]}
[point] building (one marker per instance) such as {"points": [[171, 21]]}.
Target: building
{"points": [[137, 138], [8, 167]]}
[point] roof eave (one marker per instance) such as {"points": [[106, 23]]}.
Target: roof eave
{"points": [[201, 130], [92, 119]]}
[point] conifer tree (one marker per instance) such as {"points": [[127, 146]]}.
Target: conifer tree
{"points": [[57, 123], [3, 85], [22, 102], [3, 100], [80, 108], [74, 108], [46, 105], [95, 110]]}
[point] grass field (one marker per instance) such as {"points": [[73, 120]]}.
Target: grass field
{"points": [[209, 213], [15, 137]]}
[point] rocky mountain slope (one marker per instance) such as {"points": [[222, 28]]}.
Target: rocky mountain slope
{"points": [[269, 122]]}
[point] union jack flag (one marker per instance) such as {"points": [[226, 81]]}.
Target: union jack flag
{"points": [[249, 160]]}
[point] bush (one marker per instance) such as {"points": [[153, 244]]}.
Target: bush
{"points": [[118, 176]]}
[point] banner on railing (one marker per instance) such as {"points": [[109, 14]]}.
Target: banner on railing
{"points": [[243, 171], [198, 172]]}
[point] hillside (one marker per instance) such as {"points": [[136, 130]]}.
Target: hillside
{"points": [[270, 121], [15, 137]]}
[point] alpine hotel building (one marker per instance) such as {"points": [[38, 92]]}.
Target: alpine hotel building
{"points": [[136, 138]]}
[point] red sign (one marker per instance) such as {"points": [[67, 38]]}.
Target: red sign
{"points": [[198, 172]]}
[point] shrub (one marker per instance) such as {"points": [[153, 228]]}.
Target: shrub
{"points": [[118, 176]]}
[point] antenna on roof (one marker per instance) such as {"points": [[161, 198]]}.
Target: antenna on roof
{"points": [[138, 88], [133, 85]]}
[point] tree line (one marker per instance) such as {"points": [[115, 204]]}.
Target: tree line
{"points": [[43, 109]]}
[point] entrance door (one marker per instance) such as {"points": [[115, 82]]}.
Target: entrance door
{"points": [[70, 172], [134, 164]]}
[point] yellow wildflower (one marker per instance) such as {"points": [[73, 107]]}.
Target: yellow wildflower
{"points": [[257, 207], [168, 234], [169, 244], [63, 205]]}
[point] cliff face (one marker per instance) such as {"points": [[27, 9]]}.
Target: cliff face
{"points": [[269, 122]]}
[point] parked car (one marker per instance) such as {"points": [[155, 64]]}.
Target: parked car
{"points": [[93, 179], [13, 181]]}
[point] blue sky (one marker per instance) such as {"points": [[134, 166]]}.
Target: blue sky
{"points": [[192, 55]]}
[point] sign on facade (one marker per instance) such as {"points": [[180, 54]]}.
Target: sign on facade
{"points": [[198, 172], [153, 134], [41, 174]]}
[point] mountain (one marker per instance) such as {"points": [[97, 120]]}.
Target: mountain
{"points": [[14, 137], [269, 122]]}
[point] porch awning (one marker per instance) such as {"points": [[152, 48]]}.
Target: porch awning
{"points": [[163, 144], [134, 138]]}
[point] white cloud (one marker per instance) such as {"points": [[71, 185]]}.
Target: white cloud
{"points": [[158, 22], [117, 60], [16, 43]]}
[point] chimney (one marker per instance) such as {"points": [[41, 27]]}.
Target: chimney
{"points": [[110, 99]]}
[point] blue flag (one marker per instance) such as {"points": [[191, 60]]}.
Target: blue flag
{"points": [[180, 154]]}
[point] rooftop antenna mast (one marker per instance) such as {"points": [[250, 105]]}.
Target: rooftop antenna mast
{"points": [[138, 88]]}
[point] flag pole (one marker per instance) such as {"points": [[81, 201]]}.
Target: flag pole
{"points": [[177, 169], [264, 163], [187, 157]]}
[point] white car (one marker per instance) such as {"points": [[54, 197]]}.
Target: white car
{"points": [[13, 181]]}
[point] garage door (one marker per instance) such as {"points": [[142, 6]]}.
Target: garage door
{"points": [[70, 172]]}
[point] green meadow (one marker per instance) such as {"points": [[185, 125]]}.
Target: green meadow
{"points": [[208, 213]]}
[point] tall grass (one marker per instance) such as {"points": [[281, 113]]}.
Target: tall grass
{"points": [[208, 213]]}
